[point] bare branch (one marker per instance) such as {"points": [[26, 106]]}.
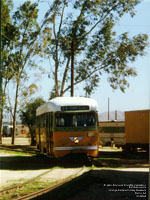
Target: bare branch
{"points": [[99, 21], [89, 75], [61, 20], [65, 74]]}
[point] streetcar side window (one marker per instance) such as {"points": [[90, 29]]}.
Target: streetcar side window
{"points": [[51, 122], [42, 121], [60, 122]]}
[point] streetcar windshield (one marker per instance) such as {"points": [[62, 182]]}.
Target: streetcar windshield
{"points": [[75, 119]]}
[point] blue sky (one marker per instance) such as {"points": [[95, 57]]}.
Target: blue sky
{"points": [[137, 96]]}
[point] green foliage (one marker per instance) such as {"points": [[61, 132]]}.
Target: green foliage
{"points": [[25, 19], [97, 49], [5, 70], [28, 112], [19, 34], [28, 116], [9, 33], [6, 25], [18, 51]]}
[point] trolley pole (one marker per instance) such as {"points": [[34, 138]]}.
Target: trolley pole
{"points": [[72, 50], [72, 68]]}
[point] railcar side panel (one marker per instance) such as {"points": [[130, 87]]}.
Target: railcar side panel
{"points": [[112, 130], [137, 128]]}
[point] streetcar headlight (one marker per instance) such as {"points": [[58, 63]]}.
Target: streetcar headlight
{"points": [[76, 140], [91, 134]]}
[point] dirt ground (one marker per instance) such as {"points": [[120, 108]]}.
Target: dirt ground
{"points": [[111, 167], [18, 141], [115, 185], [103, 184]]}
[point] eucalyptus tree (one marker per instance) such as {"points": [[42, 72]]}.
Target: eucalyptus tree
{"points": [[8, 37], [85, 29], [25, 48]]}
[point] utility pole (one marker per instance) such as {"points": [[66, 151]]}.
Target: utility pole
{"points": [[116, 115], [108, 108]]}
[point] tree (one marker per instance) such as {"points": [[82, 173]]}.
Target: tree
{"points": [[8, 36], [85, 29], [25, 47], [28, 116]]}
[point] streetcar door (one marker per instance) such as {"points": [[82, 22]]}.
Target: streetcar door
{"points": [[51, 133], [47, 134], [39, 126]]}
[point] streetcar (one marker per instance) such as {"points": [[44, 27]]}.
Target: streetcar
{"points": [[66, 125], [112, 132]]}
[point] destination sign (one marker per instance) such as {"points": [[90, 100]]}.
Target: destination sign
{"points": [[74, 108]]}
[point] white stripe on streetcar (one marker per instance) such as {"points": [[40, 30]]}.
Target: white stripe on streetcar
{"points": [[76, 148]]}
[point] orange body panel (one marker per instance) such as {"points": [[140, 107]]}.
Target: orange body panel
{"points": [[137, 126], [64, 143]]}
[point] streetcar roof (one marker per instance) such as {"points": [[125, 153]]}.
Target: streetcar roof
{"points": [[57, 103]]}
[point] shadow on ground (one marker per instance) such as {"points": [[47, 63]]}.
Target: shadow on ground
{"points": [[103, 185], [38, 161], [42, 162]]}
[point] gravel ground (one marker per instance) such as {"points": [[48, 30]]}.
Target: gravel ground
{"points": [[115, 185], [104, 184], [61, 174], [18, 141], [10, 176]]}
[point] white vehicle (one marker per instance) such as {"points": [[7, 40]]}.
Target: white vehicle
{"points": [[68, 125]]}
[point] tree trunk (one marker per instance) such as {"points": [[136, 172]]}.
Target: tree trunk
{"points": [[32, 135], [14, 128], [1, 126], [1, 119], [1, 110], [14, 115]]}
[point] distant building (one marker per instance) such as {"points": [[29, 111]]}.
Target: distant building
{"points": [[20, 130], [7, 130]]}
